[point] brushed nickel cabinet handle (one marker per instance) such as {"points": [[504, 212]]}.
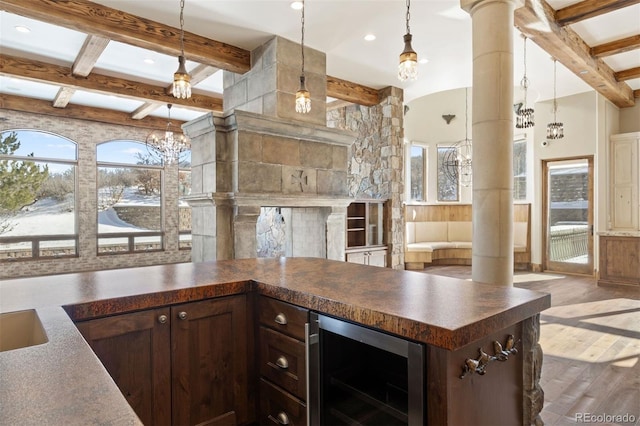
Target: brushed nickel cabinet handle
{"points": [[162, 319], [281, 319], [282, 418], [182, 315], [282, 362]]}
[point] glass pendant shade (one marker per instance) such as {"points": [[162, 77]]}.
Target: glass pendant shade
{"points": [[181, 81], [408, 67], [303, 98]]}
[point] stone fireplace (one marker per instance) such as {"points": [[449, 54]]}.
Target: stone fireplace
{"points": [[260, 154]]}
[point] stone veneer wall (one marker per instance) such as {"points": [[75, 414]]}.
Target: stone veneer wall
{"points": [[87, 135], [375, 168]]}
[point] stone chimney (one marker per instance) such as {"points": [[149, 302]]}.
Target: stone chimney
{"points": [[261, 153]]}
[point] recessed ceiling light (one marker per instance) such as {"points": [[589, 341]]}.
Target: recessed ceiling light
{"points": [[423, 60], [370, 37], [149, 61], [22, 29], [583, 72], [297, 5]]}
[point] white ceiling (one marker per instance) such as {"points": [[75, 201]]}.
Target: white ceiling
{"points": [[441, 33]]}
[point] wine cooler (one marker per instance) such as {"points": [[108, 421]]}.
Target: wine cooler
{"points": [[360, 376]]}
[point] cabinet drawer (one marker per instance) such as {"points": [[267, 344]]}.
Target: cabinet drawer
{"points": [[279, 407], [282, 360], [284, 317]]}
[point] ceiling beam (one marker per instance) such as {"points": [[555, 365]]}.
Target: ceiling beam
{"points": [[636, 93], [536, 20], [63, 97], [352, 92], [93, 18], [628, 74], [88, 56], [588, 9], [61, 76], [37, 106], [617, 46]]}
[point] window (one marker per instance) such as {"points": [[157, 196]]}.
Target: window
{"points": [[129, 199], [520, 169], [184, 210], [37, 196], [448, 186], [418, 173]]}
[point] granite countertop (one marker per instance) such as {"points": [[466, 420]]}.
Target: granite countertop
{"points": [[63, 376]]}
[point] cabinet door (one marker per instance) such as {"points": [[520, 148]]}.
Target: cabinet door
{"points": [[357, 257], [134, 348], [209, 362], [378, 258], [624, 173]]}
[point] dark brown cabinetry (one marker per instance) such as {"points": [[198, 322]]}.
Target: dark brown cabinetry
{"points": [[183, 365], [365, 233], [282, 365]]}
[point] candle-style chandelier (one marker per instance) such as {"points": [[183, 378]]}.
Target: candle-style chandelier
{"points": [[457, 161], [167, 149]]}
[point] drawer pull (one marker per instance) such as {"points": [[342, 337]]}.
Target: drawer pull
{"points": [[282, 362], [162, 319], [281, 319], [282, 418], [182, 315]]}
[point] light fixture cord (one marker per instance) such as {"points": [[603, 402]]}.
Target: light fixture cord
{"points": [[555, 102], [169, 116], [466, 113], [525, 81], [181, 27], [302, 37], [408, 16]]}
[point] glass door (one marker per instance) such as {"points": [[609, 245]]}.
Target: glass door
{"points": [[568, 215]]}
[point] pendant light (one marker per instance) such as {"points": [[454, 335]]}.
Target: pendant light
{"points": [[168, 148], [303, 97], [457, 161], [181, 78], [408, 67], [555, 130], [524, 115]]}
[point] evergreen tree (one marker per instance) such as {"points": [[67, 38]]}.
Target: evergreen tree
{"points": [[20, 181]]}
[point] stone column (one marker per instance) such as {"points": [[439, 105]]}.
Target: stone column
{"points": [[244, 232], [492, 135], [336, 236]]}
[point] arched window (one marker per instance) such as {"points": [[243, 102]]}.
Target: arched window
{"points": [[129, 198], [37, 195]]}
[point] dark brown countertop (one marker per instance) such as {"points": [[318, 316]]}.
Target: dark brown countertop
{"points": [[439, 311]]}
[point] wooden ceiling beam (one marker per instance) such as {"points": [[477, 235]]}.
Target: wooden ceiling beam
{"points": [[589, 9], [617, 46], [352, 92], [89, 54], [61, 76], [93, 18], [37, 106], [636, 93], [628, 74], [536, 20], [63, 97]]}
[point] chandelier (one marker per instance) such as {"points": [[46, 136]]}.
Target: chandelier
{"points": [[303, 97], [555, 130], [169, 148], [457, 159], [408, 67], [524, 114], [181, 78]]}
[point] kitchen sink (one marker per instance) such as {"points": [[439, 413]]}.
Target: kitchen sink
{"points": [[20, 330]]}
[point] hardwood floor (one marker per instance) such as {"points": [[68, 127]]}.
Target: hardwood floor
{"points": [[591, 342]]}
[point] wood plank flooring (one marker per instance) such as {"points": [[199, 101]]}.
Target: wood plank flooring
{"points": [[591, 342]]}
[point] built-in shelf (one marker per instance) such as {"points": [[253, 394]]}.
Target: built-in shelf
{"points": [[365, 233]]}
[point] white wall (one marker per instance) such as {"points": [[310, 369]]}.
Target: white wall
{"points": [[588, 119]]}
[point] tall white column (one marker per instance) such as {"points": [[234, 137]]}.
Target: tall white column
{"points": [[492, 135]]}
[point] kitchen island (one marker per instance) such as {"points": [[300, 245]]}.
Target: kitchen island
{"points": [[63, 381]]}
